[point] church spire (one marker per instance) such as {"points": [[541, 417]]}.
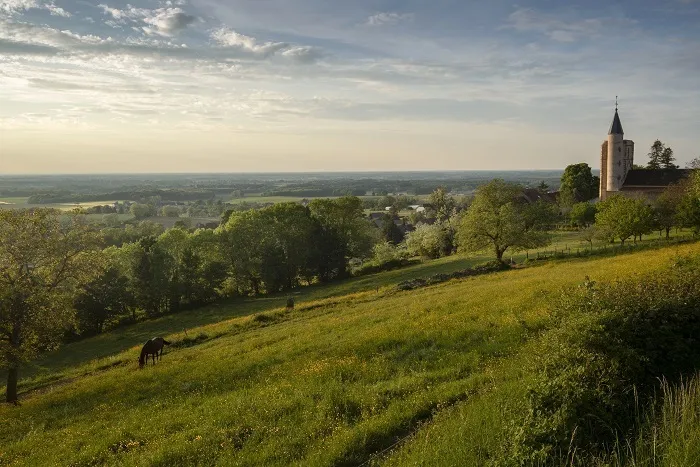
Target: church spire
{"points": [[616, 127]]}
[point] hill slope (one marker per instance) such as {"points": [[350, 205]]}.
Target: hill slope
{"points": [[334, 382]]}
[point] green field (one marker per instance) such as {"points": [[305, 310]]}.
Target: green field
{"points": [[357, 373]]}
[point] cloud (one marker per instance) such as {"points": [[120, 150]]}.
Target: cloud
{"points": [[228, 38], [168, 21], [388, 19], [562, 29], [12, 7], [16, 7], [165, 22], [57, 10]]}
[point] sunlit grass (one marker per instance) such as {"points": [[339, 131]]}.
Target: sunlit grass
{"points": [[348, 373]]}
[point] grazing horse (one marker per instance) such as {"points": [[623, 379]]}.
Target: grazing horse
{"points": [[153, 347]]}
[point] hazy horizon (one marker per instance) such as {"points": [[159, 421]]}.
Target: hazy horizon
{"points": [[207, 86]]}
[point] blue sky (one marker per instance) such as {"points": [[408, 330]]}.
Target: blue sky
{"points": [[279, 85]]}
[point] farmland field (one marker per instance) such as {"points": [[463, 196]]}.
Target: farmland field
{"points": [[357, 372]]}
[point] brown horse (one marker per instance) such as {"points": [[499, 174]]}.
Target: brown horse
{"points": [[154, 348]]}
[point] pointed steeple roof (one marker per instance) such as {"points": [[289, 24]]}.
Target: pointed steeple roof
{"points": [[616, 127]]}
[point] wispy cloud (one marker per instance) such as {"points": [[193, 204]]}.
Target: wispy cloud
{"points": [[564, 29], [388, 18]]}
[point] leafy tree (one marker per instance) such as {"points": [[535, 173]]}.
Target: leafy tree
{"points": [[42, 262], [101, 300], [346, 218], [582, 214], [442, 204], [170, 211], [694, 164], [499, 219], [149, 275], [141, 211], [578, 184], [430, 241], [666, 208], [390, 231], [622, 217], [688, 210], [542, 187], [661, 156]]}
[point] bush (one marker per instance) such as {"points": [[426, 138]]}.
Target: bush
{"points": [[604, 356]]}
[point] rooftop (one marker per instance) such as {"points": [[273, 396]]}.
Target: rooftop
{"points": [[654, 178]]}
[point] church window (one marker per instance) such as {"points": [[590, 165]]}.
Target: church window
{"points": [[619, 149]]}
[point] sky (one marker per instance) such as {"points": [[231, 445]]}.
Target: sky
{"points": [[99, 86]]}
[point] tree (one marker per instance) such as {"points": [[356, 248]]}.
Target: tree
{"points": [[694, 164], [578, 184], [111, 220], [661, 157], [42, 262], [582, 214], [589, 234], [141, 211], [688, 209], [666, 208], [442, 203], [430, 241], [104, 298], [170, 211], [390, 231], [346, 217], [499, 219], [667, 159], [622, 217]]}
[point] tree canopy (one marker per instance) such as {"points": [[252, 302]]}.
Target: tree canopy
{"points": [[622, 217], [43, 259], [500, 219], [578, 184], [661, 156]]}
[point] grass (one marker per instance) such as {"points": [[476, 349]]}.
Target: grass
{"points": [[352, 375]]}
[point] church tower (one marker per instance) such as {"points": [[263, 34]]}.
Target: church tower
{"points": [[617, 158]]}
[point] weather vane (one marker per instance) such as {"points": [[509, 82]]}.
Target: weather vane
{"points": [[615, 103]]}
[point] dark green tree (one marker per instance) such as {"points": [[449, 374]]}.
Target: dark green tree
{"points": [[104, 299], [661, 156], [582, 214], [578, 184], [390, 231]]}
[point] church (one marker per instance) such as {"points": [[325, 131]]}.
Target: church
{"points": [[617, 174]]}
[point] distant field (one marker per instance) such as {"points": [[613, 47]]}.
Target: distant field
{"points": [[361, 377], [285, 199], [21, 203]]}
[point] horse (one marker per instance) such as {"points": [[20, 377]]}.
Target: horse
{"points": [[153, 347]]}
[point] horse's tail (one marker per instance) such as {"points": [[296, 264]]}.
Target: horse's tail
{"points": [[142, 357], [166, 342]]}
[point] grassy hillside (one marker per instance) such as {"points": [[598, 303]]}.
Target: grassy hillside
{"points": [[352, 375]]}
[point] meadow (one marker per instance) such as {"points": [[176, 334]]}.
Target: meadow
{"points": [[357, 374]]}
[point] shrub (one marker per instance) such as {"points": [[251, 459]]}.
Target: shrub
{"points": [[604, 356]]}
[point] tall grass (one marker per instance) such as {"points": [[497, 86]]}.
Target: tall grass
{"points": [[669, 435]]}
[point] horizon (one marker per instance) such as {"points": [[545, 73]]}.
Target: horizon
{"points": [[307, 86]]}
